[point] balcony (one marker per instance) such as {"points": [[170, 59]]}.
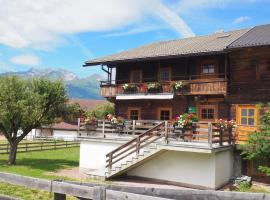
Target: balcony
{"points": [[212, 84]]}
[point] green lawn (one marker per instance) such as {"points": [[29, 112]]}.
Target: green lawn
{"points": [[37, 164]]}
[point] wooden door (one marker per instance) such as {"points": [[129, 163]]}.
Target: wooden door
{"points": [[247, 119]]}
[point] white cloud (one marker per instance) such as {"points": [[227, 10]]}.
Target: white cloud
{"points": [[25, 60], [42, 23], [241, 19]]}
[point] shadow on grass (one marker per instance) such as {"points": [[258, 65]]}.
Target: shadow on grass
{"points": [[47, 165]]}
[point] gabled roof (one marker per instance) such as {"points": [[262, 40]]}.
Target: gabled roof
{"points": [[175, 48], [257, 36]]}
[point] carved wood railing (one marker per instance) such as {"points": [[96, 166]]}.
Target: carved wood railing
{"points": [[135, 145], [192, 87]]}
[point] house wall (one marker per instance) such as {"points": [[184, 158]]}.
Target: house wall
{"points": [[67, 135], [249, 75], [93, 155], [189, 169], [181, 68]]}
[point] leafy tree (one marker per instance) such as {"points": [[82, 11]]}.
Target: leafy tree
{"points": [[29, 104], [101, 111], [258, 144]]}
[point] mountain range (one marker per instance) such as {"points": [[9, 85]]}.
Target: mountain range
{"points": [[82, 88]]}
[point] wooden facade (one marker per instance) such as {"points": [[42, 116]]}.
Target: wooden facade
{"points": [[237, 80]]}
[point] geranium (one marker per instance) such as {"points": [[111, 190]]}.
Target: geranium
{"points": [[185, 120], [224, 124], [177, 85], [91, 120], [115, 120], [127, 87], [153, 86]]}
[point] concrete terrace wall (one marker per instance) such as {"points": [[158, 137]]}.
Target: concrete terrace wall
{"points": [[189, 169]]}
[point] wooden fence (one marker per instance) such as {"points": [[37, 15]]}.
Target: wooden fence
{"points": [[111, 192], [39, 146]]}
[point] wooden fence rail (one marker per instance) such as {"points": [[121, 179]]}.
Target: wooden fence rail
{"points": [[39, 146], [116, 192]]}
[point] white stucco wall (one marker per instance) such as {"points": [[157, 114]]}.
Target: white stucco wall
{"points": [[187, 168], [64, 135], [224, 163], [93, 156]]}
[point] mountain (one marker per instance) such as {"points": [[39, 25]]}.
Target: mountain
{"points": [[83, 88]]}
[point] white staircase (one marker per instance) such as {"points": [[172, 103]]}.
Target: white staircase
{"points": [[134, 161]]}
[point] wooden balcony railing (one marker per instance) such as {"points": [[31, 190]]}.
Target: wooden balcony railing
{"points": [[192, 87]]}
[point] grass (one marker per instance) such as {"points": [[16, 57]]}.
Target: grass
{"points": [[245, 187], [38, 164]]}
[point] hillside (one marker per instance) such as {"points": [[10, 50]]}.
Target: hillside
{"points": [[83, 88]]}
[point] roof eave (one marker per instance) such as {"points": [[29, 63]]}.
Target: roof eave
{"points": [[115, 62]]}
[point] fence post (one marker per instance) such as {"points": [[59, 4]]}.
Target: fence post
{"points": [[7, 147], [210, 135], [110, 162], [138, 145], [26, 147], [133, 126], [54, 144], [230, 135], [99, 193], [166, 132], [79, 127], [221, 131], [103, 128]]}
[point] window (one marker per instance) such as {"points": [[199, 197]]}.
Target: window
{"points": [[247, 116], [164, 74], [207, 112], [136, 76], [134, 113], [164, 114], [208, 69]]}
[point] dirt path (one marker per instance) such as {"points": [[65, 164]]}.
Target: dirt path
{"points": [[75, 173]]}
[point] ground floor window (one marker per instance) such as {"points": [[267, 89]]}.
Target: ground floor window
{"points": [[207, 112], [164, 114], [247, 115], [134, 113]]}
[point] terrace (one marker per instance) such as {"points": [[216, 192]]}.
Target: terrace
{"points": [[191, 85]]}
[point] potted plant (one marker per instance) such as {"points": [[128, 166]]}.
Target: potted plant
{"points": [[130, 88], [154, 88], [179, 86], [185, 122], [91, 122]]}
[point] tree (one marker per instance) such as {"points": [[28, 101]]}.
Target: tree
{"points": [[258, 144], [29, 104], [101, 111]]}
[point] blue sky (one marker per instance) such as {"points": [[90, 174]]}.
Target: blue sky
{"points": [[64, 33]]}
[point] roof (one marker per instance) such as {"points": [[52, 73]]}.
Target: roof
{"points": [[257, 36], [87, 104], [188, 46], [64, 126]]}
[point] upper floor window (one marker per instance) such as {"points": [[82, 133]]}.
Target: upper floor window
{"points": [[134, 113], [208, 68], [136, 76], [165, 74]]}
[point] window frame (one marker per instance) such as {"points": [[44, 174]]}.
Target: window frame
{"points": [[208, 106], [130, 75], [164, 109], [208, 64], [240, 116], [134, 109], [159, 74]]}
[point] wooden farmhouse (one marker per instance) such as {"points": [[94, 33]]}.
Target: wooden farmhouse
{"points": [[223, 75]]}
